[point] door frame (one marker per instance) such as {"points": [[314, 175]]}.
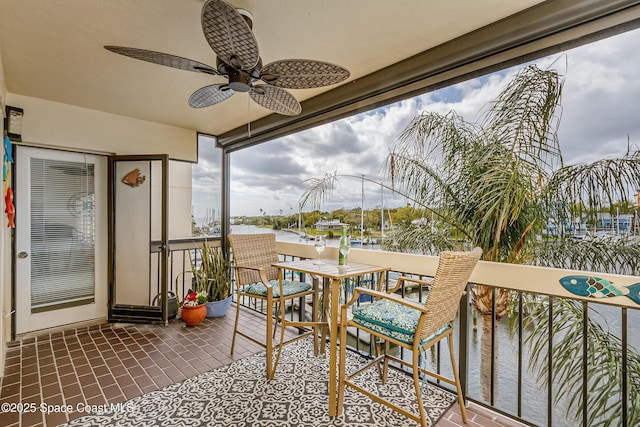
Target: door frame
{"points": [[80, 313], [136, 313]]}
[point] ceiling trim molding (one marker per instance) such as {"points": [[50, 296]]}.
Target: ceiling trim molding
{"points": [[541, 30]]}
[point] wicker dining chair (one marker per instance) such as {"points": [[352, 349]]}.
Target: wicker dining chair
{"points": [[253, 256], [410, 324]]}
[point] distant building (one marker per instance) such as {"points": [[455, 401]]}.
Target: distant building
{"points": [[331, 225], [619, 223]]}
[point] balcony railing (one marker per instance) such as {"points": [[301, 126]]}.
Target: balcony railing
{"points": [[503, 383], [506, 383]]}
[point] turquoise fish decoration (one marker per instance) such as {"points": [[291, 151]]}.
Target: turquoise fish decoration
{"points": [[595, 287]]}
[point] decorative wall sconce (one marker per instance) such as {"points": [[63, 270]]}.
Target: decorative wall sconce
{"points": [[13, 123]]}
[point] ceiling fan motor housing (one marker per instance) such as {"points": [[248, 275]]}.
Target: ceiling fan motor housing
{"points": [[239, 81]]}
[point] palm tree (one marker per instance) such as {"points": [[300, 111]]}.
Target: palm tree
{"points": [[495, 184], [487, 180]]}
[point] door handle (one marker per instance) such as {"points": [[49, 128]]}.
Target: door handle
{"points": [[22, 255]]}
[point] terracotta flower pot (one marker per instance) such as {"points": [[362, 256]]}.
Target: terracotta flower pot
{"points": [[194, 315]]}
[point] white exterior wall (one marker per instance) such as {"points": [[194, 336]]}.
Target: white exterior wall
{"points": [[55, 125], [50, 124]]}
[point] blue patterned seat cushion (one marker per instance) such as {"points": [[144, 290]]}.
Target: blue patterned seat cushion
{"points": [[392, 319], [289, 287]]}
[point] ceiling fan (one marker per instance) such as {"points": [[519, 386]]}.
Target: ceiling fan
{"points": [[228, 31]]}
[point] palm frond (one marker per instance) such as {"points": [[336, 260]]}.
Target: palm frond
{"points": [[433, 135], [596, 185], [603, 255], [523, 117], [506, 204], [424, 240], [485, 180], [318, 189]]}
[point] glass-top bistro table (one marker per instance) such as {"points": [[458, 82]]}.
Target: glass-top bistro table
{"points": [[329, 270]]}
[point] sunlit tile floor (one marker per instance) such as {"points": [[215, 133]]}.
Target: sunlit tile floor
{"points": [[113, 363]]}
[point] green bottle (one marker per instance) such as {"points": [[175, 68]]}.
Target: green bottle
{"points": [[342, 259]]}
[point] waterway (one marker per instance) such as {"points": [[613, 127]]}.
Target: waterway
{"points": [[534, 394], [294, 237]]}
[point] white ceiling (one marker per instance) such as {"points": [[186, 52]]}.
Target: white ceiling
{"points": [[53, 49]]}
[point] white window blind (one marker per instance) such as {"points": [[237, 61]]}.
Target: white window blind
{"points": [[62, 234]]}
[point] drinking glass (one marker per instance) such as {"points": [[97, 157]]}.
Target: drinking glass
{"points": [[320, 243]]}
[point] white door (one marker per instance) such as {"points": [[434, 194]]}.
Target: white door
{"points": [[61, 238]]}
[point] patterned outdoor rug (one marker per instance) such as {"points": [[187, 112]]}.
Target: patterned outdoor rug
{"points": [[239, 395]]}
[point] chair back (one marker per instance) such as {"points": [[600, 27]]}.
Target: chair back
{"points": [[256, 251], [454, 270]]}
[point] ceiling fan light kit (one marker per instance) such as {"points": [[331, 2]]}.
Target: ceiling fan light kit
{"points": [[228, 32]]}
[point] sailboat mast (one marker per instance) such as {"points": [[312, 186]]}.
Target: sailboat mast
{"points": [[381, 213], [362, 212]]}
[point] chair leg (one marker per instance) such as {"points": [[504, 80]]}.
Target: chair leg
{"points": [[269, 343], [457, 379], [373, 343], [325, 316], [281, 343], [275, 327], [385, 368], [314, 315], [417, 386], [235, 326]]}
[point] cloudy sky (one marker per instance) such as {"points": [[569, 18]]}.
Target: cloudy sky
{"points": [[598, 112]]}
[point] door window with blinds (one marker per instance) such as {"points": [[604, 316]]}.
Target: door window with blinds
{"points": [[62, 234]]}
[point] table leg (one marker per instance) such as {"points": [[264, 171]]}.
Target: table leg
{"points": [[314, 315], [333, 347], [270, 335], [325, 314]]}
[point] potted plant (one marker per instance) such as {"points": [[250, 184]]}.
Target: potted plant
{"points": [[213, 276], [194, 309]]}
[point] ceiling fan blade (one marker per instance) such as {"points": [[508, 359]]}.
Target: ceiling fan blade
{"points": [[229, 35], [210, 95], [276, 99], [163, 59], [302, 73]]}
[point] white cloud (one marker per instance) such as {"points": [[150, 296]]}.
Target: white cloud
{"points": [[599, 100]]}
